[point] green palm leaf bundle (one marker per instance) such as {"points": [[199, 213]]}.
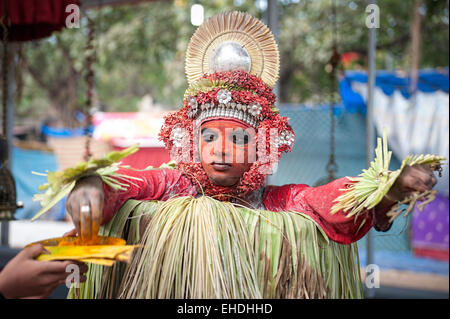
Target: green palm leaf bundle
{"points": [[369, 188], [204, 248], [60, 184]]}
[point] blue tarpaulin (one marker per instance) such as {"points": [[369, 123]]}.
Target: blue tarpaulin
{"points": [[65, 132], [428, 81], [24, 162]]}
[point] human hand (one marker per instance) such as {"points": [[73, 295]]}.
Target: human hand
{"points": [[71, 233], [24, 276], [413, 179], [85, 206]]}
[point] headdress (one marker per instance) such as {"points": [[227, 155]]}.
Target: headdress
{"points": [[232, 65]]}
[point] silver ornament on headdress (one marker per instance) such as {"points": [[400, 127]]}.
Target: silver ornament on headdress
{"points": [[285, 138], [232, 42], [177, 136], [230, 56], [224, 96]]}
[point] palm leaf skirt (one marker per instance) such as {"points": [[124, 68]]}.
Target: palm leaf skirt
{"points": [[204, 248]]}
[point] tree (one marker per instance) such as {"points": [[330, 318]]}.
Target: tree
{"points": [[140, 50], [306, 40]]}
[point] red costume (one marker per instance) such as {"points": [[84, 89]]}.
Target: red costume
{"points": [[316, 202]]}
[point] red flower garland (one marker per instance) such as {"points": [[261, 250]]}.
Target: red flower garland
{"points": [[267, 156], [245, 81]]}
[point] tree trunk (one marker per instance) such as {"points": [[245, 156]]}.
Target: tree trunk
{"points": [[416, 42], [286, 76], [64, 100], [62, 92]]}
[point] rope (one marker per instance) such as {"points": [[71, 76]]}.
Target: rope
{"points": [[89, 78], [4, 22], [332, 167], [334, 61], [5, 78]]}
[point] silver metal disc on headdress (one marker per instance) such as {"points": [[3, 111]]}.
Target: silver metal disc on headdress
{"points": [[230, 56], [233, 41]]}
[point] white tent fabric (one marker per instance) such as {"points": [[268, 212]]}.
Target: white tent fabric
{"points": [[419, 125]]}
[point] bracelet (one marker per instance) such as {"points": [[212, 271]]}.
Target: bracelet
{"points": [[390, 199]]}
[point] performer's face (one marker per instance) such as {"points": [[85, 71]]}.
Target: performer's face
{"points": [[228, 150]]}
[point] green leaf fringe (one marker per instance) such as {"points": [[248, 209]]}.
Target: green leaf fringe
{"points": [[204, 248]]}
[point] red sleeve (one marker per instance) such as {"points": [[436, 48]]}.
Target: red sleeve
{"points": [[316, 202], [158, 184]]}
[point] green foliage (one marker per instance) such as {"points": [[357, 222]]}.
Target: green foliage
{"points": [[306, 40], [140, 50]]}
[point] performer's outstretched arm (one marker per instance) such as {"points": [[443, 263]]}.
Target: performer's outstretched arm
{"points": [[104, 201], [318, 201], [338, 226]]}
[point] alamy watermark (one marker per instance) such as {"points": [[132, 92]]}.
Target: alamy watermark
{"points": [[373, 17], [73, 279], [73, 17], [372, 276]]}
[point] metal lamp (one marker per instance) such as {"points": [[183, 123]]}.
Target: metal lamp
{"points": [[8, 204]]}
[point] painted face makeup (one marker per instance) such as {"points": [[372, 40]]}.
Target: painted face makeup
{"points": [[228, 150]]}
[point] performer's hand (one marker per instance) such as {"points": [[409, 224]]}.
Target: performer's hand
{"points": [[413, 179], [24, 276], [85, 206]]}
